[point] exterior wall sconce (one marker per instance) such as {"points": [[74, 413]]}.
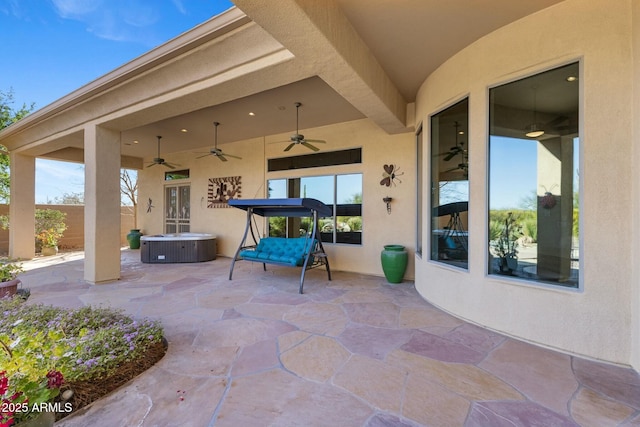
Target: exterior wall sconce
{"points": [[388, 200]]}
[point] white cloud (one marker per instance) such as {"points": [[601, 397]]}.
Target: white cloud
{"points": [[180, 6], [118, 20], [76, 9]]}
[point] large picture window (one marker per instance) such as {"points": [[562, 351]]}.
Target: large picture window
{"points": [[419, 174], [533, 178], [343, 193], [450, 185]]}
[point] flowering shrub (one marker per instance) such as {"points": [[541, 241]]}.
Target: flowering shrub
{"points": [[9, 271], [49, 227], [45, 346], [49, 238], [29, 377]]}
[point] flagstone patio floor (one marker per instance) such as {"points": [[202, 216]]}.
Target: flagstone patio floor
{"points": [[355, 351]]}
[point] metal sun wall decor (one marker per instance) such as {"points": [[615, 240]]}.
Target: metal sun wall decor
{"points": [[390, 175], [221, 190]]}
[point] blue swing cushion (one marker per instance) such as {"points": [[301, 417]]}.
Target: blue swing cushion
{"points": [[280, 250]]}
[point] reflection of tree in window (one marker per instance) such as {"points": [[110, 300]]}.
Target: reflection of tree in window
{"points": [[341, 192]]}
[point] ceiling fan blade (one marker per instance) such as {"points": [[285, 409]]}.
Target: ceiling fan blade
{"points": [[309, 146], [318, 141], [221, 157], [204, 155], [452, 170], [152, 164], [232, 156], [169, 165], [290, 146], [449, 156]]}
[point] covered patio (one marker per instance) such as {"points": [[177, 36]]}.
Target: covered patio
{"points": [[353, 351]]}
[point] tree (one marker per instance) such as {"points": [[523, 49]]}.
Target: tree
{"points": [[69, 199], [8, 116], [129, 189]]}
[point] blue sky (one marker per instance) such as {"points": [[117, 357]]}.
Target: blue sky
{"points": [[53, 47]]}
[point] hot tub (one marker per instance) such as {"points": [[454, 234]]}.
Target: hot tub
{"points": [[178, 247]]}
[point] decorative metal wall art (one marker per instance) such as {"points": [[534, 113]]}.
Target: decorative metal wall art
{"points": [[221, 190], [390, 175]]}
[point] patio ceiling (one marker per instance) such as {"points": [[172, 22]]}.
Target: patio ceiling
{"points": [[408, 39]]}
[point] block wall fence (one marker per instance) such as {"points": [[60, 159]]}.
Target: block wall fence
{"points": [[74, 235]]}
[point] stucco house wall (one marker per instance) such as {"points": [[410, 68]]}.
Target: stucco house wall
{"points": [[599, 320], [379, 227]]}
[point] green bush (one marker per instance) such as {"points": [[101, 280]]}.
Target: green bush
{"points": [[277, 226], [50, 219], [530, 228], [495, 229], [355, 223]]}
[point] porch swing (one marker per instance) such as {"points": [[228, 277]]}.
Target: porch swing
{"points": [[305, 251]]}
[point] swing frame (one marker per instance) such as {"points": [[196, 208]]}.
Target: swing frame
{"points": [[313, 254]]}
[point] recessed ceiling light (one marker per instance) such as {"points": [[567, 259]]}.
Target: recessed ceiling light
{"points": [[184, 130], [135, 142], [252, 113], [572, 78]]}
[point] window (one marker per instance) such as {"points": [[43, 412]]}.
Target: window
{"points": [[172, 175], [450, 185], [341, 192], [324, 158], [533, 178], [177, 209]]}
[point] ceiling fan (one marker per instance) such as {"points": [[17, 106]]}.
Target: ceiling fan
{"points": [[215, 151], [458, 148], [159, 160], [297, 138]]}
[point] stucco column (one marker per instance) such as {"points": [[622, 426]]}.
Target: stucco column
{"points": [[102, 204], [22, 208], [555, 175]]}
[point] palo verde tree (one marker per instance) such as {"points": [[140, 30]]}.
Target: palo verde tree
{"points": [[8, 116]]}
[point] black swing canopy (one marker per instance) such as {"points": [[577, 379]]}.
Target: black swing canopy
{"points": [[306, 252]]}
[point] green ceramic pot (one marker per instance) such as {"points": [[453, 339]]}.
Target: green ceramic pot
{"points": [[394, 260], [134, 238]]}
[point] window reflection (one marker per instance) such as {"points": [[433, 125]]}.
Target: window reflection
{"points": [[341, 192], [533, 178], [450, 185]]}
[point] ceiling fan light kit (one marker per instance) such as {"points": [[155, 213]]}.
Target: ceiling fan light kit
{"points": [[534, 130]]}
